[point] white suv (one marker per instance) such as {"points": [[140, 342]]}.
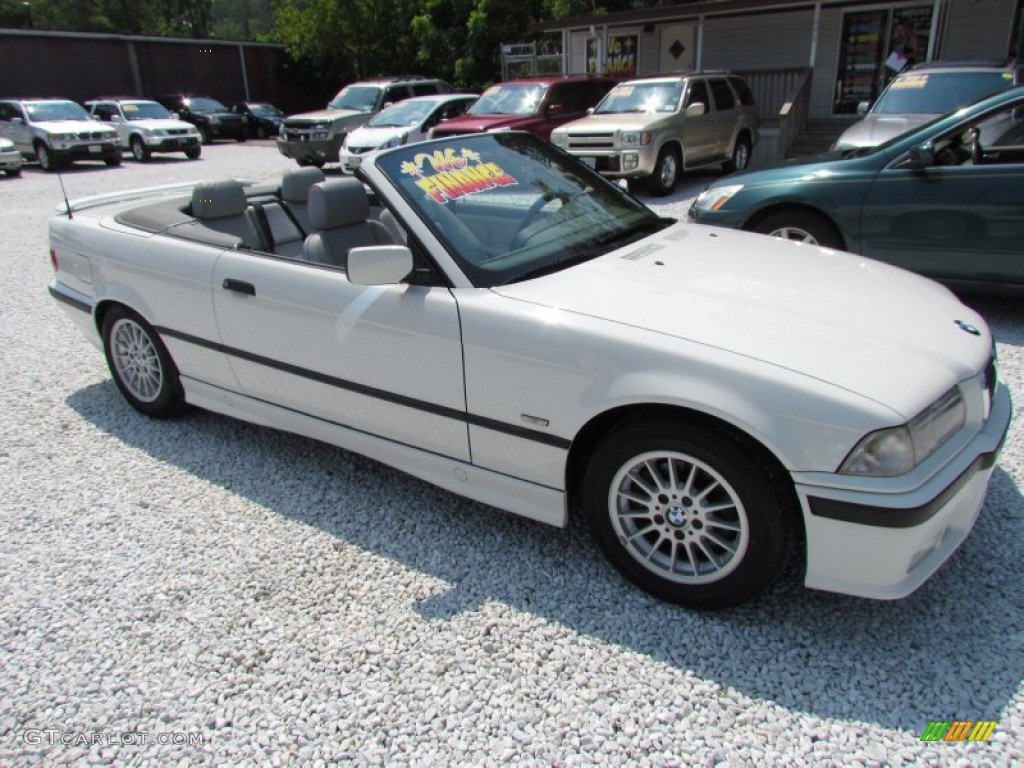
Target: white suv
{"points": [[57, 131], [146, 127]]}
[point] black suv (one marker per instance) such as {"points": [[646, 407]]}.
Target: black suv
{"points": [[315, 138], [211, 118]]}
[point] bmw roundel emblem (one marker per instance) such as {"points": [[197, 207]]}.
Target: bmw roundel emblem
{"points": [[967, 327]]}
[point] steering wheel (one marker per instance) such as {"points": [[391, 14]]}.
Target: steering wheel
{"points": [[533, 213], [972, 138]]}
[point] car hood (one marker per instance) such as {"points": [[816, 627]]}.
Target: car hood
{"points": [[73, 126], [858, 324], [374, 137], [482, 123], [613, 121], [158, 124], [320, 115], [875, 129]]}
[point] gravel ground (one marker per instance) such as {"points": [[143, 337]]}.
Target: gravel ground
{"points": [[206, 592]]}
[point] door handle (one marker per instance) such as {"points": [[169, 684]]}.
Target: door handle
{"points": [[241, 286]]}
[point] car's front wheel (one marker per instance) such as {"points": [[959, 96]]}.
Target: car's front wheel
{"points": [[193, 153], [140, 364], [666, 172], [261, 132], [46, 160], [139, 149], [686, 513], [115, 159], [801, 226]]}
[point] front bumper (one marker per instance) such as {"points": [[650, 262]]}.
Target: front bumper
{"points": [[313, 150], [92, 150], [626, 163], [885, 545], [170, 143], [10, 161]]}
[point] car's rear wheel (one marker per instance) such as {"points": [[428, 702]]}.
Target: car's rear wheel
{"points": [[740, 156], [801, 226], [193, 153], [686, 513], [139, 149], [140, 364], [46, 160], [666, 172]]}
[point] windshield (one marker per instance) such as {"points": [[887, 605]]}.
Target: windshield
{"points": [[641, 97], [145, 110], [402, 115], [206, 105], [55, 110], [514, 99], [265, 110], [510, 207], [360, 98], [936, 93]]}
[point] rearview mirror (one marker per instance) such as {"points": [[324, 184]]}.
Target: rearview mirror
{"points": [[379, 264], [696, 109]]}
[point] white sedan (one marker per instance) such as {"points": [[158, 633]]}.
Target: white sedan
{"points": [[488, 314]]}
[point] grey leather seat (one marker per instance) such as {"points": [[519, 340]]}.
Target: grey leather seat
{"points": [[223, 216], [339, 214], [294, 193]]}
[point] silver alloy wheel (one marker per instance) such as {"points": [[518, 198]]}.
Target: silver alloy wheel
{"points": [[678, 517], [43, 156], [796, 234], [136, 359], [138, 149], [667, 171], [741, 156]]}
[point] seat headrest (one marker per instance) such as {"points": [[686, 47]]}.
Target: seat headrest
{"points": [[338, 203], [295, 184], [218, 199]]}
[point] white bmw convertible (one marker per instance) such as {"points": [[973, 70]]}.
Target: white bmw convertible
{"points": [[489, 315]]}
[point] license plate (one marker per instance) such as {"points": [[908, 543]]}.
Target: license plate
{"points": [[95, 148], [590, 162]]}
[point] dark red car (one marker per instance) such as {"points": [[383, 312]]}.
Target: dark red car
{"points": [[534, 104]]}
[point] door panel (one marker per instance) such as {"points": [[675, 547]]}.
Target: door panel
{"points": [[700, 133], [386, 360]]}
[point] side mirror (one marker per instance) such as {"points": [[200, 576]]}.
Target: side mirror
{"points": [[116, 119], [696, 109], [590, 110], [921, 156], [17, 121], [379, 264], [863, 107]]}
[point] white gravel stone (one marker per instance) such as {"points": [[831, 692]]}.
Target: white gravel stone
{"points": [[289, 604]]}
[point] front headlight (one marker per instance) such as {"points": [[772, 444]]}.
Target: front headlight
{"points": [[560, 140], [713, 198], [64, 136], [395, 141], [635, 138], [896, 451]]}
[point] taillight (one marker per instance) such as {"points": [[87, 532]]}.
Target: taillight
{"points": [[53, 259]]}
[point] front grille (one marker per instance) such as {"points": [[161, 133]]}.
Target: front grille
{"points": [[177, 131], [86, 135], [585, 141]]}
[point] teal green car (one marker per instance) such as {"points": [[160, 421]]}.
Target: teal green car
{"points": [[945, 200]]}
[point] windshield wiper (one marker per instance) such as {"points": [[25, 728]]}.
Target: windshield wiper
{"points": [[595, 247]]}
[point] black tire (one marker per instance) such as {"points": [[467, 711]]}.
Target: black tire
{"points": [[672, 552], [139, 149], [261, 132], [193, 153], [204, 134], [140, 364], [13, 172], [740, 156], [241, 137], [46, 160], [115, 159], [666, 172], [801, 226]]}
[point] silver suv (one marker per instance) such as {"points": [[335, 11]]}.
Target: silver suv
{"points": [[57, 131], [146, 127], [315, 138], [653, 128]]}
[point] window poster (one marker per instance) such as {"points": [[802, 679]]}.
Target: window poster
{"points": [[860, 59], [621, 59]]}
